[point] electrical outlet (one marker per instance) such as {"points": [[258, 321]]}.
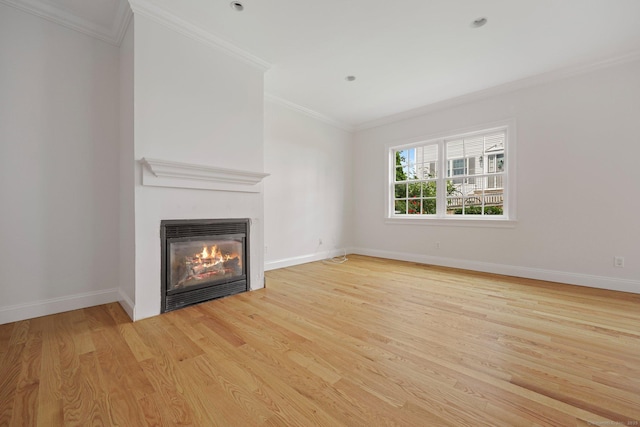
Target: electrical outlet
{"points": [[618, 261]]}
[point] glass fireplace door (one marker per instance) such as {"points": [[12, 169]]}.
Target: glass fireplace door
{"points": [[203, 261]]}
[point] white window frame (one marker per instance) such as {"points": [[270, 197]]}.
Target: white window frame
{"points": [[508, 219]]}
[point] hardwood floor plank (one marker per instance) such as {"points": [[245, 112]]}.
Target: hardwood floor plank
{"points": [[71, 385], [92, 394], [26, 401], [118, 366], [174, 408], [6, 331], [226, 401], [150, 411], [135, 342], [50, 404], [9, 375], [20, 332], [294, 390], [98, 317]]}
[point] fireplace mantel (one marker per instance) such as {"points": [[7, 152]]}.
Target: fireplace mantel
{"points": [[166, 173]]}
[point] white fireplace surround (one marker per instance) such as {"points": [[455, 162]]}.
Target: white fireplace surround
{"points": [[166, 173], [169, 190]]}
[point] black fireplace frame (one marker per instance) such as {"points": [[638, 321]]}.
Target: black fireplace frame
{"points": [[181, 229]]}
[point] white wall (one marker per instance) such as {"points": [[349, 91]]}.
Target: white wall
{"points": [[126, 237], [308, 195], [58, 168], [578, 148], [196, 105]]}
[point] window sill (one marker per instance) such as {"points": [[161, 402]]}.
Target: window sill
{"points": [[453, 222]]}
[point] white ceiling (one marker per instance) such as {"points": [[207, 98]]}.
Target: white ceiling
{"points": [[405, 53]]}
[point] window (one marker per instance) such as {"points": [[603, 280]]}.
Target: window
{"points": [[458, 166], [461, 176]]}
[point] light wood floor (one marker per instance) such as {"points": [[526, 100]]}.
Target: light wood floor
{"points": [[370, 342]]}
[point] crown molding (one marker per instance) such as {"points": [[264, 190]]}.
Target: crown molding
{"points": [[308, 112], [513, 86], [112, 35], [166, 173], [122, 21], [194, 32]]}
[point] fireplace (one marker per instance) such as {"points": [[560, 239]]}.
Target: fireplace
{"points": [[202, 260]]}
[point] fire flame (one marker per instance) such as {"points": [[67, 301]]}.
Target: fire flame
{"points": [[213, 254], [211, 262]]}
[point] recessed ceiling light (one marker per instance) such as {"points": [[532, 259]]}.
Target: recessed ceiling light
{"points": [[237, 6], [350, 78], [479, 22]]}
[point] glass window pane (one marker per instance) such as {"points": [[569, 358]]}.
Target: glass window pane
{"points": [[458, 167], [401, 157], [472, 206], [400, 162], [411, 157], [495, 163], [455, 187], [455, 149], [454, 204], [493, 210], [500, 162], [426, 161], [415, 190], [474, 146], [413, 207], [474, 165], [494, 181], [429, 206], [401, 191], [400, 207], [429, 189], [473, 201], [411, 173], [493, 203], [454, 210], [475, 185], [494, 142]]}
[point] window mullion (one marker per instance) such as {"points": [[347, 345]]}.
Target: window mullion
{"points": [[441, 183]]}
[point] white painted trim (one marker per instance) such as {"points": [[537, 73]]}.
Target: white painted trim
{"points": [[55, 14], [30, 310], [302, 259], [179, 25], [308, 112], [513, 86], [165, 173], [587, 280], [122, 22], [452, 222], [126, 303]]}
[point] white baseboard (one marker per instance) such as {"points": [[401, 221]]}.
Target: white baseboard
{"points": [[579, 279], [30, 310], [302, 259], [127, 304]]}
